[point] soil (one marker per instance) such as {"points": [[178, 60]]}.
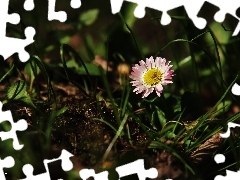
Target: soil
{"points": [[79, 131]]}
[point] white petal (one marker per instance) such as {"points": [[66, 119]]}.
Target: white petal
{"points": [[148, 63], [147, 92], [158, 62], [159, 89]]}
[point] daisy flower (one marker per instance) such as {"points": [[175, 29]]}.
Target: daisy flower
{"points": [[150, 75]]}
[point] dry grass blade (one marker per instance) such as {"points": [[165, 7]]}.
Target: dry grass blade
{"points": [[206, 150]]}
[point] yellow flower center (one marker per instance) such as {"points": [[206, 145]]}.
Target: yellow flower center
{"points": [[152, 77]]}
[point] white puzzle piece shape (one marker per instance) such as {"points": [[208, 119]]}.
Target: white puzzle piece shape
{"points": [[192, 8], [66, 166], [20, 125]]}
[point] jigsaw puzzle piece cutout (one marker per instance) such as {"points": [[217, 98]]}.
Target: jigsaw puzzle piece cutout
{"points": [[159, 5], [28, 171], [238, 12], [60, 15], [66, 166], [75, 4], [20, 125], [191, 28], [7, 162], [208, 11], [6, 43], [87, 173], [226, 7], [236, 89], [231, 23], [28, 5], [228, 132], [53, 15], [212, 9], [7, 48], [192, 8], [237, 29], [137, 167], [56, 171], [5, 17], [219, 158], [229, 175]]}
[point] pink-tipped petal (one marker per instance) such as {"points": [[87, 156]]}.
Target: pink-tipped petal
{"points": [[139, 70]]}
